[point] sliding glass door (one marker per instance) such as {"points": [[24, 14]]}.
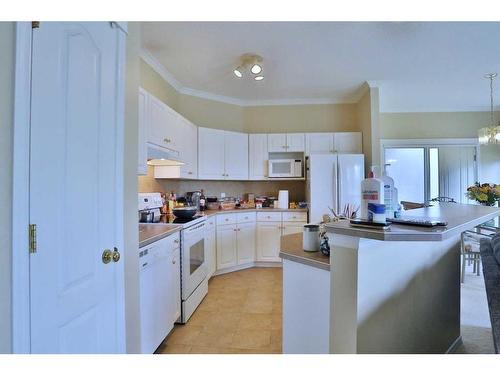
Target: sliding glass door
{"points": [[424, 172]]}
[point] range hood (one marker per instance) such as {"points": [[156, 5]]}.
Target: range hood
{"points": [[160, 156]]}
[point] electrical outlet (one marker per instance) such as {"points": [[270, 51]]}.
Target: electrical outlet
{"points": [[223, 195]]}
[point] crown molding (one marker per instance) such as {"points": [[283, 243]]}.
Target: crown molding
{"points": [[425, 109], [160, 69]]}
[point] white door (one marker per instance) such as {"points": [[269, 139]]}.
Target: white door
{"points": [[236, 155], [75, 190], [142, 167], [246, 243], [226, 246], [348, 142], [276, 142], [295, 142], [268, 241], [319, 143], [188, 148], [258, 156], [457, 171], [210, 154]]}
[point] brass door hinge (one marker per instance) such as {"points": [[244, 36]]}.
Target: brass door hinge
{"points": [[32, 238], [35, 24]]}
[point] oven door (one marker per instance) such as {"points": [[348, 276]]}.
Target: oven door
{"points": [[194, 265], [281, 168]]}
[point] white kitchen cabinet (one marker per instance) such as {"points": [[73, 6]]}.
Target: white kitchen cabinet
{"points": [[162, 129], [286, 142], [211, 246], [246, 243], [268, 241], [236, 155], [319, 143], [341, 142], [276, 142], [142, 167], [295, 142], [348, 142], [226, 246], [258, 157], [222, 155], [211, 154], [175, 282], [188, 152]]}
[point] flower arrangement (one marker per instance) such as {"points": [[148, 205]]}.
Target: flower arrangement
{"points": [[486, 194]]}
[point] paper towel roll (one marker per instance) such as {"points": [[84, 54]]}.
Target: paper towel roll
{"points": [[283, 199]]}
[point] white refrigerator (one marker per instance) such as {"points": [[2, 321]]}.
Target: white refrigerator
{"points": [[333, 180]]}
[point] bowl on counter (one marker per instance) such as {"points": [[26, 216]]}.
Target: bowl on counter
{"points": [[185, 212]]}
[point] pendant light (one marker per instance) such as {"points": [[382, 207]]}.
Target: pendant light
{"points": [[490, 135]]}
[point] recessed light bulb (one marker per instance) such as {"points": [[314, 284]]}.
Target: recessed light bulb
{"points": [[256, 69], [237, 73], [259, 78]]}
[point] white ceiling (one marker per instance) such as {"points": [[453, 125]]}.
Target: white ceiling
{"points": [[419, 66]]}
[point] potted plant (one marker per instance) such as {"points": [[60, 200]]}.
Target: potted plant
{"points": [[486, 194]]}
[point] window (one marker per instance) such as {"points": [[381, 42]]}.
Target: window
{"points": [[423, 171]]}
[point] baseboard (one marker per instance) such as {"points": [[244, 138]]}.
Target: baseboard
{"points": [[453, 347], [246, 266]]}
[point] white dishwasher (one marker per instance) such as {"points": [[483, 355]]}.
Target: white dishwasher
{"points": [[155, 296]]}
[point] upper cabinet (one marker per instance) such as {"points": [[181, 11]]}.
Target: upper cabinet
{"points": [[222, 155], [188, 150], [342, 142], [161, 126], [286, 142], [257, 157], [236, 155], [211, 154], [348, 142]]}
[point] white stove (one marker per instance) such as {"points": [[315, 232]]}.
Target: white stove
{"points": [[194, 282]]}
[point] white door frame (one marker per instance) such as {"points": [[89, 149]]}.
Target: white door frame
{"points": [[20, 183]]}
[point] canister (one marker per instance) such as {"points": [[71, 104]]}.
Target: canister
{"points": [[310, 237]]}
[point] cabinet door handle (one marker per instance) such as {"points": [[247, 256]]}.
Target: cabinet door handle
{"points": [[173, 261], [190, 172], [176, 241], [166, 140]]}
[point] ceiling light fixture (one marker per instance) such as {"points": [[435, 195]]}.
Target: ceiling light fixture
{"points": [[237, 72], [491, 134], [251, 63]]}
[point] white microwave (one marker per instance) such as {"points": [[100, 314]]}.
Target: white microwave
{"points": [[285, 168]]}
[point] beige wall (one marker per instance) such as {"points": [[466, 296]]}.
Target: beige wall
{"points": [[214, 188], [156, 85], [301, 118], [445, 125], [131, 236]]}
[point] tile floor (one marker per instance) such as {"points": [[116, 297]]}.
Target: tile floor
{"points": [[241, 314]]}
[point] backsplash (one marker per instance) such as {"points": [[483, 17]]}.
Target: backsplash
{"points": [[147, 184]]}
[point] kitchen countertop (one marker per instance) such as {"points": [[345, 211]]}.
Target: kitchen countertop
{"points": [[214, 212], [291, 248], [460, 217], [149, 233]]}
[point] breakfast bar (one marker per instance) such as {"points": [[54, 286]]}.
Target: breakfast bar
{"points": [[398, 290]]}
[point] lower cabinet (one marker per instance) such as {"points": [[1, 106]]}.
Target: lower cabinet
{"points": [[245, 243], [211, 246], [268, 241], [226, 246]]}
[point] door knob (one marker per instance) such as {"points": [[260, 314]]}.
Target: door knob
{"points": [[107, 256], [116, 255]]}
